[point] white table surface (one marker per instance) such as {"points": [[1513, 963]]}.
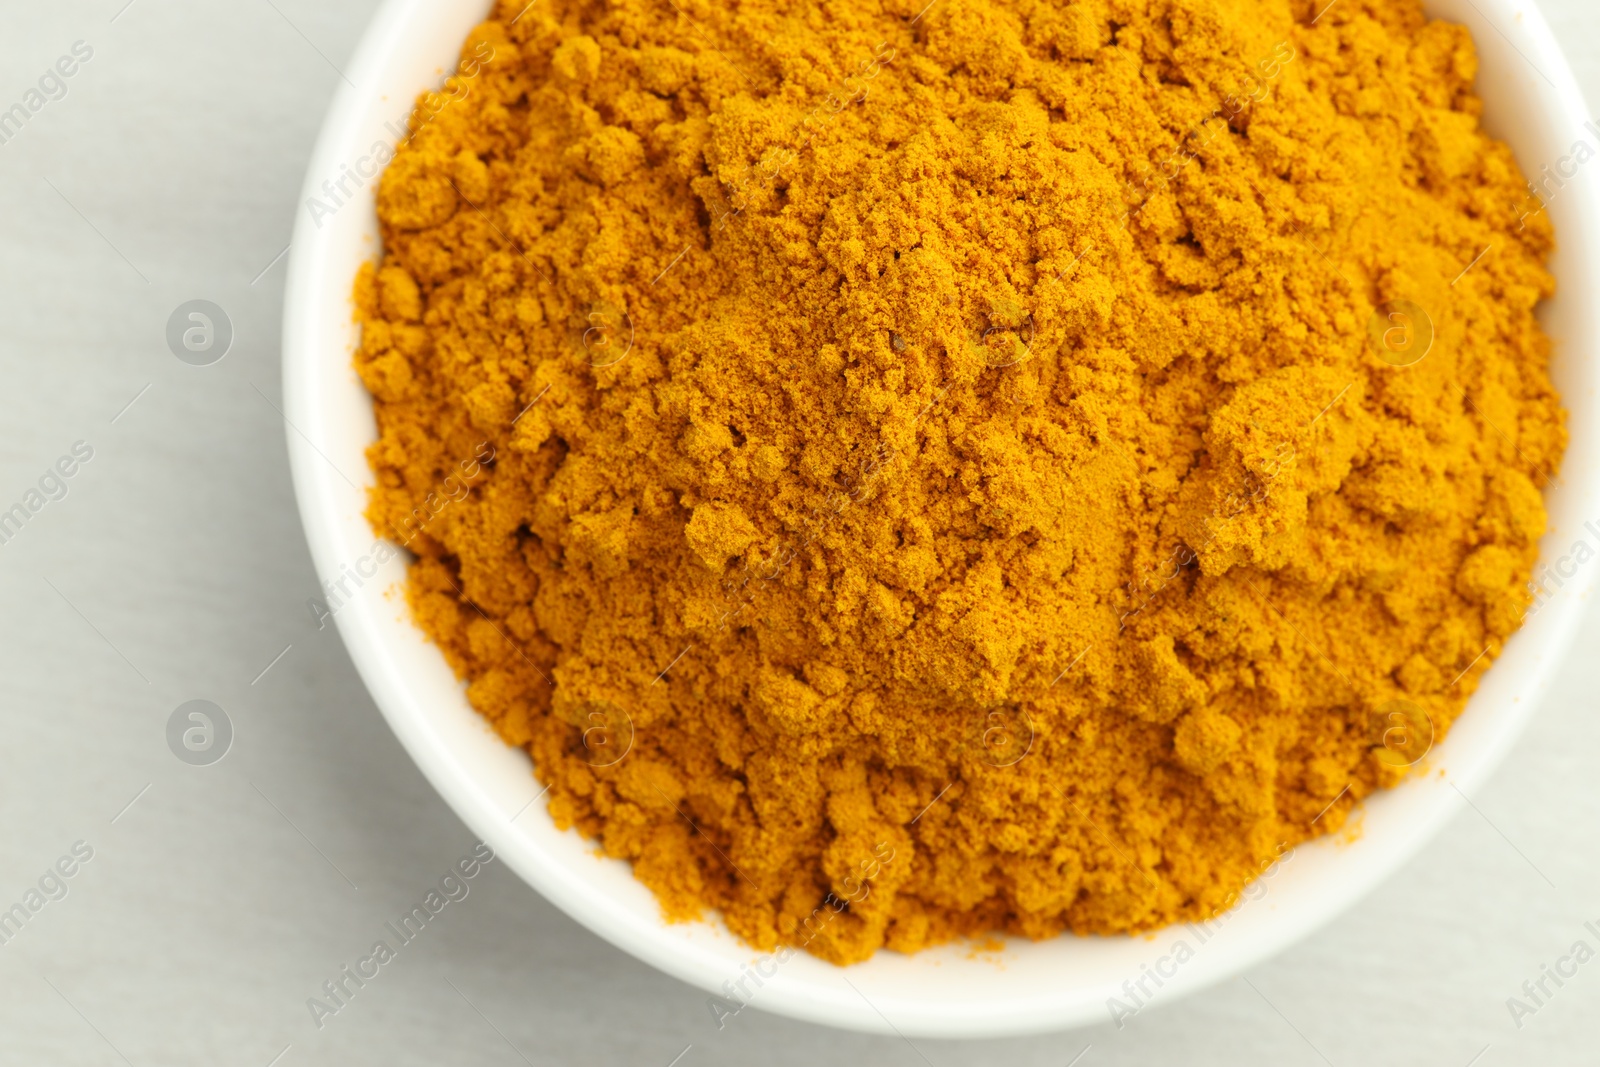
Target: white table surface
{"points": [[175, 569]]}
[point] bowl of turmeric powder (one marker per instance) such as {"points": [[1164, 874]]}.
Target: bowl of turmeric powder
{"points": [[951, 518]]}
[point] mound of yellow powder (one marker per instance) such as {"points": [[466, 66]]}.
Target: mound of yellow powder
{"points": [[1004, 466]]}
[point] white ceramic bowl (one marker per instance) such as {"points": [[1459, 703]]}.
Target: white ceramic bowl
{"points": [[1531, 101]]}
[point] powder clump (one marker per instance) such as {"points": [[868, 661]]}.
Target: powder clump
{"points": [[1003, 467]]}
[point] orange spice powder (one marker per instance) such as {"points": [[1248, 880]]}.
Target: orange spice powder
{"points": [[1005, 466]]}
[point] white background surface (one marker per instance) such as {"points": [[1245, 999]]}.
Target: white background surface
{"points": [[175, 569]]}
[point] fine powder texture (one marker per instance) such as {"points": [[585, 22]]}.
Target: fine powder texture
{"points": [[1003, 467]]}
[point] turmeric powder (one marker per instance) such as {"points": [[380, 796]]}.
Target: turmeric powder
{"points": [[998, 466]]}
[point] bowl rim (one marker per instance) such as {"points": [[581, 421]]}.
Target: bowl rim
{"points": [[322, 490]]}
